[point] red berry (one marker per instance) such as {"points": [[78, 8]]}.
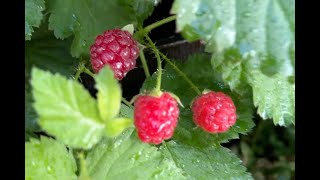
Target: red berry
{"points": [[155, 118], [214, 112], [118, 49]]}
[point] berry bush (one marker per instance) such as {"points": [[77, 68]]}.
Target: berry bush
{"points": [[226, 111]]}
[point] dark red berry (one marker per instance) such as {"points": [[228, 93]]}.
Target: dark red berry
{"points": [[118, 49], [214, 112], [155, 118]]}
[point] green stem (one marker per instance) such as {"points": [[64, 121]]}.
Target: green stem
{"points": [[86, 70], [184, 76], [79, 70], [159, 23], [156, 52], [76, 77], [83, 168], [144, 63], [126, 102]]}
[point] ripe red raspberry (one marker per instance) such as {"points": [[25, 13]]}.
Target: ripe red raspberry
{"points": [[118, 49], [155, 118], [214, 112]]}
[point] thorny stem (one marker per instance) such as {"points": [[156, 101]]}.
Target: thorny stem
{"points": [[126, 102], [159, 23], [156, 52], [144, 63], [184, 76], [145, 32]]}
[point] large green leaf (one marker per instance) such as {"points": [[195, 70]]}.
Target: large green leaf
{"points": [[109, 94], [48, 159], [49, 53], [248, 38], [86, 19], [197, 67], [45, 52], [33, 16], [125, 157], [205, 163], [141, 8], [275, 97], [66, 110]]}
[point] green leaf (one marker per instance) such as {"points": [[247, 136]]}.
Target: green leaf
{"points": [[30, 115], [66, 110], [45, 52], [247, 38], [197, 67], [205, 163], [109, 94], [33, 16], [48, 159], [125, 157], [126, 111], [141, 8], [84, 175], [109, 101], [28, 135], [51, 54], [117, 125], [129, 28], [274, 98], [211, 20], [86, 19]]}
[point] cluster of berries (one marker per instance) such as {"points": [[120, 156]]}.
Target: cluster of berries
{"points": [[156, 114]]}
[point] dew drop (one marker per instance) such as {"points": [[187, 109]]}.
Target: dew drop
{"points": [[246, 14], [49, 169], [117, 143]]}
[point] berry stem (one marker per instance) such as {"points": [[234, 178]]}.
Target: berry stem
{"points": [[79, 71], [159, 23], [83, 167], [76, 77], [184, 76], [86, 70], [122, 98], [144, 63], [156, 52], [126, 102]]}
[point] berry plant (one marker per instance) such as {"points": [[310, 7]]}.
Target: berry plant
{"points": [[187, 114]]}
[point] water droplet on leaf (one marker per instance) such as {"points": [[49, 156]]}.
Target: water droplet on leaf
{"points": [[247, 14], [49, 169]]}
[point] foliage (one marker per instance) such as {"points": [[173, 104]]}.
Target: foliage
{"points": [[250, 49]]}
